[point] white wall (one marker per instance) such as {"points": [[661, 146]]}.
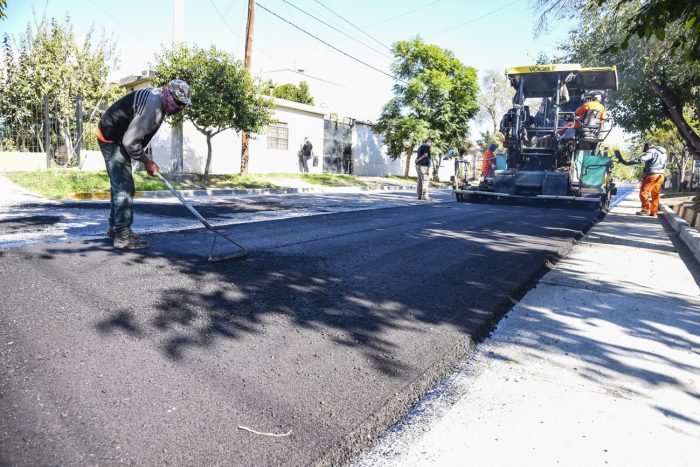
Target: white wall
{"points": [[302, 121], [92, 161], [369, 155], [22, 161], [300, 124]]}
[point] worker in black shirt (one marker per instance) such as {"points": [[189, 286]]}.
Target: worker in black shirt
{"points": [[423, 168], [123, 133]]}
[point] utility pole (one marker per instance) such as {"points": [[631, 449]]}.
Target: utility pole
{"points": [[245, 138], [177, 136]]}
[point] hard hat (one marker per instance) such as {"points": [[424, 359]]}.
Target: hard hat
{"points": [[180, 91]]}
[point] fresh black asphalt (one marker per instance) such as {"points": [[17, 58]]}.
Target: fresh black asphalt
{"points": [[332, 328]]}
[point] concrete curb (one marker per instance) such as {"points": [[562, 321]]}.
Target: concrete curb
{"points": [[689, 235], [248, 192]]}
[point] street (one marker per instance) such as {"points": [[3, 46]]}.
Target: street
{"points": [[332, 328]]}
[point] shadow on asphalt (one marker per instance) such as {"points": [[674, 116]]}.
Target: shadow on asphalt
{"points": [[343, 289], [340, 321]]}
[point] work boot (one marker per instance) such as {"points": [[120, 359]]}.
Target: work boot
{"points": [[643, 213], [111, 234], [130, 241]]}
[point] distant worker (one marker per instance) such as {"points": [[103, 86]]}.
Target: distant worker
{"points": [[423, 168], [307, 152], [654, 159], [123, 132], [593, 102], [488, 163]]}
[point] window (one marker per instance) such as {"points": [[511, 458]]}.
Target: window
{"points": [[278, 136]]}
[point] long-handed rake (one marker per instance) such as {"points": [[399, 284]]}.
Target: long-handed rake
{"points": [[241, 253]]}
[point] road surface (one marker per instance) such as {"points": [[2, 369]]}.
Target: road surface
{"points": [[332, 328]]}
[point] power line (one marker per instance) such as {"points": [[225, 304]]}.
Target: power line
{"points": [[338, 30], [359, 29], [474, 20], [116, 20], [237, 34], [403, 14], [329, 45]]}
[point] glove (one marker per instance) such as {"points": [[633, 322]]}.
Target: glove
{"points": [[617, 154]]}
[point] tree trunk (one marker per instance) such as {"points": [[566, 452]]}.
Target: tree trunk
{"points": [[407, 167], [684, 163], [674, 110], [245, 140], [207, 166]]}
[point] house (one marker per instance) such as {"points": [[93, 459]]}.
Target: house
{"points": [[273, 151], [343, 145]]}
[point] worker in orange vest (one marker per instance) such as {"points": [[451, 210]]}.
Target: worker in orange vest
{"points": [[488, 163]]}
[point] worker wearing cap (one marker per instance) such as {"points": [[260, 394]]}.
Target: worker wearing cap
{"points": [[123, 133], [593, 103], [654, 159], [488, 163]]}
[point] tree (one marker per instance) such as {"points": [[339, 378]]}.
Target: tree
{"points": [[487, 139], [224, 95], [656, 82], [435, 95], [494, 97], [294, 93], [3, 7], [650, 19], [47, 60]]}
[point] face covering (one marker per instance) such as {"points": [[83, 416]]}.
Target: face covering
{"points": [[171, 107]]}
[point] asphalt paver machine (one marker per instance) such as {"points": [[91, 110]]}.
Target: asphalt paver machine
{"points": [[552, 156]]}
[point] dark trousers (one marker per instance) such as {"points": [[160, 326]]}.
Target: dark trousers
{"points": [[121, 186]]}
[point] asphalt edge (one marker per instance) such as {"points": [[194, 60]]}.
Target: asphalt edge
{"points": [[395, 410]]}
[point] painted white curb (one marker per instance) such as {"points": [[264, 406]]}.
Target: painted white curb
{"points": [[689, 235]]}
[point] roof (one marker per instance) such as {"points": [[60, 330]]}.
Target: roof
{"points": [[541, 80], [283, 103]]}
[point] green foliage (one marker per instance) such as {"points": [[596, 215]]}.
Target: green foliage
{"points": [[47, 60], [661, 17], [657, 83], [3, 7], [224, 95], [487, 138], [62, 183], [294, 93], [435, 96]]}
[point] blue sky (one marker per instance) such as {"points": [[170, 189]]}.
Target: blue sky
{"points": [[482, 34]]}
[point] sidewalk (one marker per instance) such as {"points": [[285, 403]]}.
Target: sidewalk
{"points": [[598, 365], [12, 194]]}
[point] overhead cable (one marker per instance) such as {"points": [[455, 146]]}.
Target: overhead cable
{"points": [[338, 30], [474, 19], [386, 20], [329, 45], [238, 34], [356, 27]]}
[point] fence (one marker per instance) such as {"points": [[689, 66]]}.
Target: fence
{"points": [[59, 128]]}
